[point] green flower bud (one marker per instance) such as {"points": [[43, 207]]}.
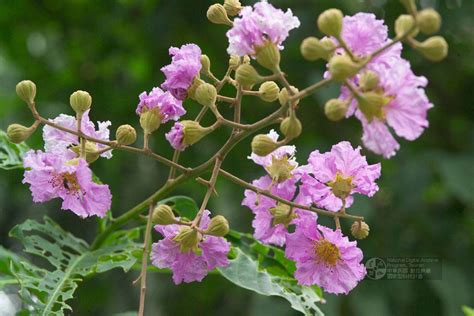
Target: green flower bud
{"points": [[330, 22], [247, 76], [284, 96], [218, 15], [371, 104], [368, 80], [268, 56], [342, 67], [193, 132], [269, 91], [428, 21], [194, 85], [232, 7], [335, 109], [18, 133], [206, 94], [280, 169], [360, 230], [291, 126], [125, 135], [405, 23], [80, 101], [150, 121], [234, 61], [206, 65], [313, 49], [26, 90], [163, 215], [434, 48], [91, 154], [282, 214], [263, 145], [188, 239], [219, 226]]}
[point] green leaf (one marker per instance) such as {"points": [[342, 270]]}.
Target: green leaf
{"points": [[70, 259], [467, 311], [244, 271], [185, 206], [11, 155], [457, 173]]}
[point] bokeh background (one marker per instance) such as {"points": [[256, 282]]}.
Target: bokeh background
{"points": [[115, 49]]}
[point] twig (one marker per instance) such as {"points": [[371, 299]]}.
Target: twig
{"points": [[142, 277]]}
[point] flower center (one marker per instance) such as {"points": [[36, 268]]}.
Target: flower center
{"points": [[327, 252], [341, 186], [280, 169], [282, 214], [70, 182]]}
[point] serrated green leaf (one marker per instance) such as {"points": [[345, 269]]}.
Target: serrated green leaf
{"points": [[185, 206], [11, 155], [70, 260]]}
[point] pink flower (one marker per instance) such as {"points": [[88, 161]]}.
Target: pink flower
{"points": [[58, 141], [334, 176], [323, 256], [168, 106], [258, 25], [189, 266], [175, 136], [52, 175], [184, 67]]}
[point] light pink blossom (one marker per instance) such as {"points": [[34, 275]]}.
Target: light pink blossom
{"points": [[168, 106], [175, 136]]}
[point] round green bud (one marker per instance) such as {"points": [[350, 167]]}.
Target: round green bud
{"points": [[26, 90], [405, 23], [269, 91], [282, 214], [91, 154], [263, 145], [150, 121], [163, 215], [434, 48], [247, 76], [219, 226], [313, 49], [232, 7], [291, 126], [194, 85], [206, 94], [80, 101], [360, 230], [125, 135], [188, 239], [284, 96], [206, 65], [193, 132], [371, 104], [342, 67], [234, 61], [268, 56], [335, 109], [18, 133], [330, 22], [368, 80], [428, 21], [218, 15]]}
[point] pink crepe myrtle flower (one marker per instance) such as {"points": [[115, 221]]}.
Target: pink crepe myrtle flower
{"points": [[52, 175], [331, 178], [257, 25], [323, 256], [185, 66], [168, 106], [58, 141], [175, 136], [188, 266]]}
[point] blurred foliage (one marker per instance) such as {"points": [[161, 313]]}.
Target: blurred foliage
{"points": [[115, 49]]}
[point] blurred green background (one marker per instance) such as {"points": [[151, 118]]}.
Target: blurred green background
{"points": [[115, 49]]}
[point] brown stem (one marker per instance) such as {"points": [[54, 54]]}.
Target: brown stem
{"points": [[146, 251]]}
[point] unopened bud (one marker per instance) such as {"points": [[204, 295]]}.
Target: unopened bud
{"points": [[330, 22], [291, 126], [404, 24], [206, 94], [428, 21], [150, 120], [193, 132], [206, 65], [80, 101], [313, 49], [263, 145], [342, 67], [280, 169], [282, 214], [188, 239], [26, 90], [18, 133], [232, 7], [125, 135], [284, 96], [360, 230], [90, 154], [434, 48], [219, 226], [268, 56], [234, 61], [247, 76], [269, 91], [163, 215], [194, 85], [335, 109], [218, 15], [371, 104], [368, 80]]}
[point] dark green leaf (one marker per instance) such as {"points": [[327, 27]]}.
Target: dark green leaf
{"points": [[183, 205]]}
